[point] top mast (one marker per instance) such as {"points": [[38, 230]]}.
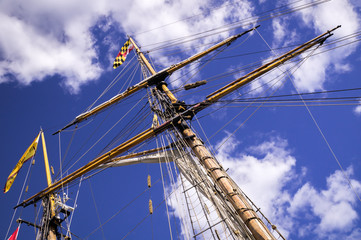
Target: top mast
{"points": [[153, 72], [154, 79], [142, 57]]}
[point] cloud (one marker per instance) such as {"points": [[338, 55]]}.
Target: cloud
{"points": [[334, 207], [142, 18], [357, 110], [48, 38], [262, 172], [267, 174], [312, 74]]}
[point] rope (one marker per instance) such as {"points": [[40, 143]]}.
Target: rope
{"points": [[250, 105], [115, 80], [207, 189], [321, 133], [247, 117], [130, 127], [96, 208], [123, 208], [97, 127], [165, 196], [237, 24], [200, 68], [74, 206], [106, 133], [66, 151], [174, 180], [187, 18], [310, 105], [328, 145], [21, 193], [180, 150]]}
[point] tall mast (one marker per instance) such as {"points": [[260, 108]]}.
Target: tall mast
{"points": [[215, 170], [211, 165], [48, 204]]}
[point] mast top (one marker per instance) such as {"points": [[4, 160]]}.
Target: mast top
{"points": [[154, 79]]}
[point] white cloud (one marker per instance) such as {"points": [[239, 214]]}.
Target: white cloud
{"points": [[45, 38], [315, 71], [159, 13], [266, 172], [334, 207], [312, 74], [279, 30], [262, 173], [357, 110]]}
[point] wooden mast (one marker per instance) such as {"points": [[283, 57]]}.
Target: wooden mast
{"points": [[217, 173], [211, 165], [244, 210], [153, 131], [49, 203], [156, 77]]}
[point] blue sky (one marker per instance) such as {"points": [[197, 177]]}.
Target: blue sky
{"points": [[56, 59]]}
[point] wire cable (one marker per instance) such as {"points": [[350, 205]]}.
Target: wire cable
{"points": [[321, 133]]}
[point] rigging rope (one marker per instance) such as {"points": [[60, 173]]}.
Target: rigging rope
{"points": [[105, 133], [96, 208], [145, 218], [126, 69], [237, 24], [284, 73], [20, 195], [321, 132], [74, 206], [165, 196], [118, 212], [201, 203]]}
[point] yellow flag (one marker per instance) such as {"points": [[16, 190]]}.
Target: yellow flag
{"points": [[29, 153]]}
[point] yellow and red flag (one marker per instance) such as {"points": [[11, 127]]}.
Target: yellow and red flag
{"points": [[29, 153], [122, 55]]}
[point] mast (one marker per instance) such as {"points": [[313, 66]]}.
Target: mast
{"points": [[220, 178], [155, 78], [210, 164], [50, 229]]}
